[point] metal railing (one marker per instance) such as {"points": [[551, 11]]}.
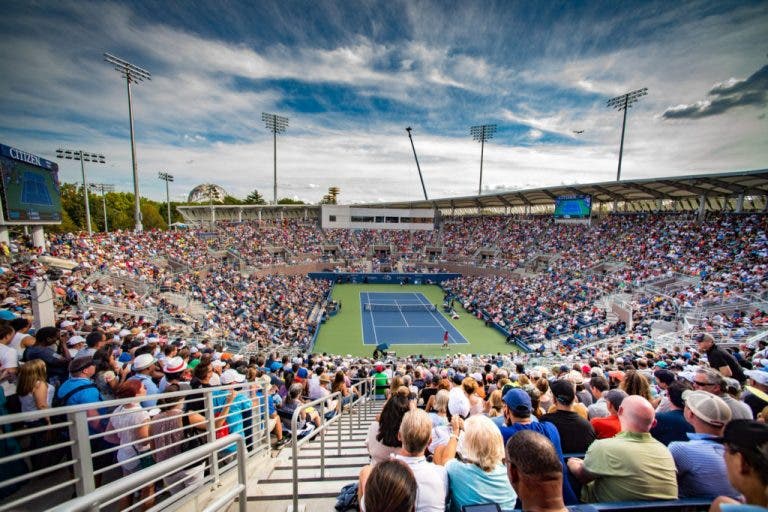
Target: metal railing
{"points": [[365, 389], [73, 446], [105, 495]]}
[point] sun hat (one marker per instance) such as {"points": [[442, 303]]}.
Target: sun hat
{"points": [[74, 340], [143, 362], [174, 365], [231, 376]]}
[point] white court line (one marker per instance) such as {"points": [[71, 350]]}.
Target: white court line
{"points": [[401, 314], [373, 324], [450, 336]]}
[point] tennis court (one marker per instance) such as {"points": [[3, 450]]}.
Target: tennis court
{"points": [[35, 190], [404, 319]]}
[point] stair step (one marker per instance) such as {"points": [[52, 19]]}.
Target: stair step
{"points": [[266, 490], [315, 505], [347, 471], [333, 462]]}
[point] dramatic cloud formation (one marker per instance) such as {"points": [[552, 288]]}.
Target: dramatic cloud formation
{"points": [[752, 91]]}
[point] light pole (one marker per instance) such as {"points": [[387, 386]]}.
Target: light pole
{"points": [[83, 157], [408, 129], [623, 102], [276, 124], [482, 133], [166, 178], [103, 188], [133, 74]]}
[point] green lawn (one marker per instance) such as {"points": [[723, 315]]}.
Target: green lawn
{"points": [[342, 334]]}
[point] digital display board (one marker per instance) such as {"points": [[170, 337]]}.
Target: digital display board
{"points": [[573, 207], [30, 188]]}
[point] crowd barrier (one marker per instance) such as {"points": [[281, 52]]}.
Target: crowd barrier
{"points": [[75, 450], [383, 277]]}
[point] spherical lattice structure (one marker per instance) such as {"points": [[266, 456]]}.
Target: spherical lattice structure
{"points": [[203, 193]]}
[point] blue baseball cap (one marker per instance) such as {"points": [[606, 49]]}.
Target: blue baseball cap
{"points": [[518, 400], [7, 315]]}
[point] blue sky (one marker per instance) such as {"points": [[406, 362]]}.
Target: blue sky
{"points": [[351, 76]]}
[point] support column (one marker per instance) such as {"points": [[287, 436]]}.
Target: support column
{"points": [[38, 237], [5, 235], [42, 303], [702, 207], [240, 215], [740, 203]]}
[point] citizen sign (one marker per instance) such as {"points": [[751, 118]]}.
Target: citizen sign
{"points": [[25, 157]]}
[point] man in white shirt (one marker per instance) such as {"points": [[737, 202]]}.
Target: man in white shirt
{"points": [[9, 364], [415, 433]]}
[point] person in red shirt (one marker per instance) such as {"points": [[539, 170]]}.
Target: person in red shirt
{"points": [[609, 426]]}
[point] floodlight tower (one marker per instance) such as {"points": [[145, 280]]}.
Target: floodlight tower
{"points": [[482, 133], [103, 188], [624, 102], [276, 124], [167, 178], [133, 74], [417, 163], [83, 157]]}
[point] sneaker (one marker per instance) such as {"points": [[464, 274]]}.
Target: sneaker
{"points": [[281, 442]]}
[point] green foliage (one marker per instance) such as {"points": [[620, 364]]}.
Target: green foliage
{"points": [[288, 200], [232, 200], [255, 198]]}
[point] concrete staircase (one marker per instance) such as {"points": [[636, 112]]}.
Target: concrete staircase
{"points": [[316, 493]]}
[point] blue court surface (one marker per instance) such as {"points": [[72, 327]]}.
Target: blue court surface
{"points": [[404, 319], [34, 190]]}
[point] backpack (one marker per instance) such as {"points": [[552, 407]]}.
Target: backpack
{"points": [[58, 401], [347, 498]]}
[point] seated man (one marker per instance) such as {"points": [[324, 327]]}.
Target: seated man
{"points": [[415, 433], [701, 469], [746, 457], [536, 473], [630, 466]]}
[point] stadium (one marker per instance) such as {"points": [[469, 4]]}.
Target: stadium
{"points": [[596, 344]]}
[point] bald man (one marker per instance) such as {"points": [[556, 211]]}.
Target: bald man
{"points": [[630, 466]]}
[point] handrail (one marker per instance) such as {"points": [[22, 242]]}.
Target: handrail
{"points": [[92, 501]]}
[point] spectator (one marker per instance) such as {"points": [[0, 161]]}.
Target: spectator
{"points": [[168, 431], [610, 425], [232, 409], [517, 414], [576, 433], [635, 383], [630, 466], [535, 471], [707, 379], [598, 386], [391, 487], [718, 358], [9, 366], [45, 348], [144, 367], [432, 480], [383, 439], [700, 466], [746, 458], [35, 394], [22, 339], [672, 425], [480, 477], [131, 426], [757, 390]]}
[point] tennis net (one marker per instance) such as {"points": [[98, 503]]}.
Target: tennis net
{"points": [[369, 306]]}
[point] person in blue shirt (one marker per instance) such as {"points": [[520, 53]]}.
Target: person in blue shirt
{"points": [[144, 366], [517, 413], [237, 405], [79, 389]]}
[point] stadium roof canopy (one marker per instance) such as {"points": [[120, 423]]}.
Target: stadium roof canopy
{"points": [[737, 191], [724, 185]]}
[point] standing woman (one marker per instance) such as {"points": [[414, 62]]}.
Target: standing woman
{"points": [[35, 394], [131, 425]]}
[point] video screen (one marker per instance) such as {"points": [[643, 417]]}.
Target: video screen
{"points": [[30, 188], [573, 207]]}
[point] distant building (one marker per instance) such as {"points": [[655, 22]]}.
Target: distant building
{"points": [[203, 193]]}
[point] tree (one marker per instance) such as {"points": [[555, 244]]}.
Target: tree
{"points": [[231, 200], [332, 196], [254, 197], [288, 200]]}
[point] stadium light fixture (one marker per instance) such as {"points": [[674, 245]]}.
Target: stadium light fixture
{"points": [[81, 155], [132, 74], [167, 178], [624, 102], [408, 129], [482, 133], [103, 188], [276, 124]]}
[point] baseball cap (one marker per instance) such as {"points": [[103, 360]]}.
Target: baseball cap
{"points": [[747, 436], [79, 364], [758, 376], [665, 376], [7, 315], [231, 376], [615, 397], [563, 391], [518, 400], [707, 407]]}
